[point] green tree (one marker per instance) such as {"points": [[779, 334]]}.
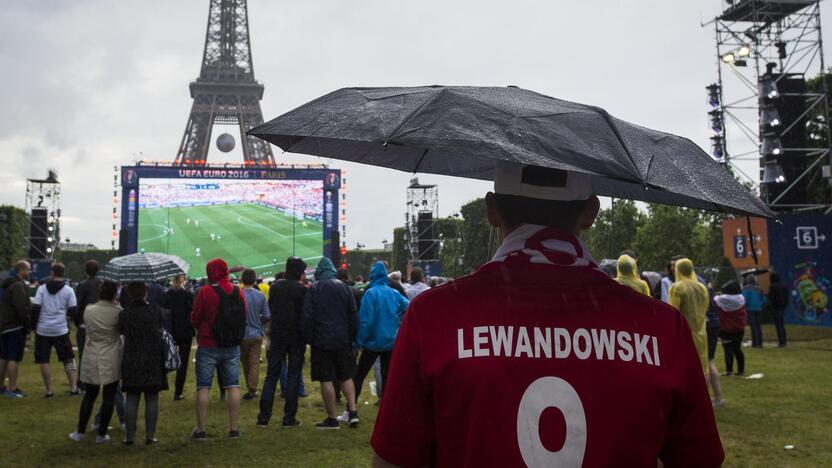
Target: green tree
{"points": [[607, 239], [361, 261], [450, 234], [399, 256], [475, 235], [707, 240], [14, 223], [76, 260], [667, 231]]}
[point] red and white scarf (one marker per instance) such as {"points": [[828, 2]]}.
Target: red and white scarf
{"points": [[530, 243]]}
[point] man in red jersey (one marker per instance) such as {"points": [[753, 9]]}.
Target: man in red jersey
{"points": [[539, 358]]}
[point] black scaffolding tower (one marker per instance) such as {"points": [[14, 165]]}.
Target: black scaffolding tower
{"points": [[761, 107]]}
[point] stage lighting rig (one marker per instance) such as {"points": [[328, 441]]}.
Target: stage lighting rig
{"points": [[773, 173], [716, 120], [713, 95], [769, 118], [768, 88], [771, 146], [717, 147]]}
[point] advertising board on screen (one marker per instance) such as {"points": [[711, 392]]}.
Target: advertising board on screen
{"points": [[254, 218]]}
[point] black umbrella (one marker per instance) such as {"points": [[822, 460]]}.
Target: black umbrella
{"points": [[460, 131], [143, 267]]}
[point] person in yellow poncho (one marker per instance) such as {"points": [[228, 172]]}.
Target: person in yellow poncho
{"points": [[691, 298], [627, 274]]}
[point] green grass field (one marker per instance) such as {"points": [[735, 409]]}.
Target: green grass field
{"points": [[250, 235], [789, 405]]}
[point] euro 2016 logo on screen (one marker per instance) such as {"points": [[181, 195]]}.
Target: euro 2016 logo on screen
{"points": [[130, 177], [810, 292]]}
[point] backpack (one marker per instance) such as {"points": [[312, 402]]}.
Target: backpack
{"points": [[230, 321], [172, 359]]}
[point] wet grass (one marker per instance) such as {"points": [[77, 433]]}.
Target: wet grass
{"points": [[788, 406]]}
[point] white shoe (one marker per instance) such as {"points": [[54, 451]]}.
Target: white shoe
{"points": [[76, 436], [101, 440], [345, 417]]}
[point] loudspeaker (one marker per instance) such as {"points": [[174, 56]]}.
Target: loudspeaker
{"points": [[122, 242], [428, 245], [335, 243], [790, 106], [38, 232]]}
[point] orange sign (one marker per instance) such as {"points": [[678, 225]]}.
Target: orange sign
{"points": [[737, 245]]}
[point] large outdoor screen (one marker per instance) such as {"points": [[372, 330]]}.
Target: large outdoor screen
{"points": [[251, 223]]}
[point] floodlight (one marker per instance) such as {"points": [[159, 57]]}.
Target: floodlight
{"points": [[771, 146], [769, 117], [773, 173], [767, 88], [744, 51]]}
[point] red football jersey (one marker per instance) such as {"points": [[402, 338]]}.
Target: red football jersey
{"points": [[544, 365]]}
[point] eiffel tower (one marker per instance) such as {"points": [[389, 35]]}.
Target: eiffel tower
{"points": [[225, 92]]}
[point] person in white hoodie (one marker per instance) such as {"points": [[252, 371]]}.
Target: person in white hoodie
{"points": [[730, 306]]}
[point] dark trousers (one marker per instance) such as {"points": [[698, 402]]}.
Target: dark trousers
{"points": [[278, 351], [80, 341], [151, 413], [88, 403], [732, 344], [365, 363], [184, 348], [756, 328], [119, 403], [779, 325]]}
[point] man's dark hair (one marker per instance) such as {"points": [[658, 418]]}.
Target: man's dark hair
{"points": [[58, 270], [279, 275], [295, 266], [107, 291], [137, 290], [91, 268], [343, 274], [516, 210], [248, 277], [416, 275], [731, 287]]}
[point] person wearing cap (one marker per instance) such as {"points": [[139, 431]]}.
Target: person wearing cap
{"points": [[479, 363], [286, 297]]}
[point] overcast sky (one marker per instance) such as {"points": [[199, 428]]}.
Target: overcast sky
{"points": [[90, 84]]}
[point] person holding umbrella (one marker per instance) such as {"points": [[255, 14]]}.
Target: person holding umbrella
{"points": [[476, 365]]}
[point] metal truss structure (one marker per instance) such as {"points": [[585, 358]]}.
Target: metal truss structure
{"points": [[226, 91], [43, 203], [760, 106], [421, 238]]}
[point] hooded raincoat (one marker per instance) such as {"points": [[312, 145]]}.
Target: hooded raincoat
{"points": [[329, 319], [207, 302], [691, 298], [627, 274], [381, 312]]}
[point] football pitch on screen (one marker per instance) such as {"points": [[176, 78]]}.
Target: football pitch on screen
{"points": [[249, 235]]}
